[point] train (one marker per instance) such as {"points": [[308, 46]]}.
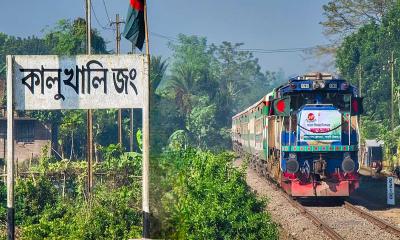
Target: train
{"points": [[304, 135]]}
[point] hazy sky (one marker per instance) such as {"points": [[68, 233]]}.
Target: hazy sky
{"points": [[260, 24]]}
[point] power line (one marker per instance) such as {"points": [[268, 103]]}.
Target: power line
{"points": [[97, 20], [105, 8], [253, 50]]}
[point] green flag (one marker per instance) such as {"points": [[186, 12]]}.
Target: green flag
{"points": [[134, 29], [282, 106]]}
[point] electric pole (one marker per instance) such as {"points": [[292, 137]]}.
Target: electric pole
{"points": [[89, 112], [132, 134], [118, 41], [146, 140], [392, 62]]}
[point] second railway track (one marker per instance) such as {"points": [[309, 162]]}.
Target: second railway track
{"points": [[345, 221]]}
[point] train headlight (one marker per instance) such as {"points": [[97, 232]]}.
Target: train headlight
{"points": [[292, 165], [348, 164], [318, 84]]}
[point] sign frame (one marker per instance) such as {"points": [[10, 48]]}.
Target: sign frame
{"points": [[11, 136]]}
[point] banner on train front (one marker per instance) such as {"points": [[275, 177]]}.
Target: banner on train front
{"points": [[49, 82], [316, 126]]}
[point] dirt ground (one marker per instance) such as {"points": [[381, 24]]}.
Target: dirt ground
{"points": [[371, 195], [292, 224]]}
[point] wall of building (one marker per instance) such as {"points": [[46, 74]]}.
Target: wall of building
{"points": [[31, 137]]}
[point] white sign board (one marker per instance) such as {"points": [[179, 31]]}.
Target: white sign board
{"points": [[320, 126], [79, 82], [390, 191]]}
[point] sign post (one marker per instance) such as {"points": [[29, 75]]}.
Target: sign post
{"points": [[390, 191], [50, 82], [10, 152]]}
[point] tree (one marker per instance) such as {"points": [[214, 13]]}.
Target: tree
{"points": [[10, 45], [367, 52], [346, 16], [210, 83], [343, 17], [67, 38]]}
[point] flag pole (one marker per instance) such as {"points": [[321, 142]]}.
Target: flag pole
{"points": [[146, 139]]}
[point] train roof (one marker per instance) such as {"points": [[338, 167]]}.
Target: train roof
{"points": [[308, 82], [263, 99], [317, 81]]}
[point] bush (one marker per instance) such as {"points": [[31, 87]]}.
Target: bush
{"points": [[209, 199], [111, 215]]}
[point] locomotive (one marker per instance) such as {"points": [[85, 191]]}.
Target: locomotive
{"points": [[304, 135]]}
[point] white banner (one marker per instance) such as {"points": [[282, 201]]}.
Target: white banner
{"points": [[390, 191], [79, 82], [318, 126]]}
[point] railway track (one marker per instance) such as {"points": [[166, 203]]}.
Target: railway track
{"points": [[370, 217], [329, 231], [315, 219], [344, 221]]}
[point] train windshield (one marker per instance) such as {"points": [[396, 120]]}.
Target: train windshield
{"points": [[339, 100]]}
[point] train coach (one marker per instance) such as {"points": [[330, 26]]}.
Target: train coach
{"points": [[304, 135]]}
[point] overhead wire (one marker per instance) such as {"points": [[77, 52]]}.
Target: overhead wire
{"points": [[106, 9], [253, 50], [97, 20]]}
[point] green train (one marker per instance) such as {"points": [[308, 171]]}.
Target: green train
{"points": [[304, 135]]}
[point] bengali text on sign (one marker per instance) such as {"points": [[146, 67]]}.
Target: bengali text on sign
{"points": [[79, 82]]}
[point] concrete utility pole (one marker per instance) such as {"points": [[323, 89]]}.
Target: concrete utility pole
{"points": [[392, 62], [118, 41], [146, 140], [89, 112], [10, 153], [132, 134]]}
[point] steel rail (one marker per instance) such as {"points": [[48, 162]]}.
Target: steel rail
{"points": [[373, 219], [317, 222]]}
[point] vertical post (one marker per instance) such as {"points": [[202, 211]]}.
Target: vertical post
{"points": [[146, 138], [118, 40], [89, 112], [131, 130], [10, 153], [350, 122], [132, 134], [391, 62]]}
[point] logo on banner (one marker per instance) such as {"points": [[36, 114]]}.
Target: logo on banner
{"points": [[311, 117]]}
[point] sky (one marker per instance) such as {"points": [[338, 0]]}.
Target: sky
{"points": [[259, 24]]}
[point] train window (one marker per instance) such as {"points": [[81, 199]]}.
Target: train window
{"points": [[258, 126], [341, 101]]}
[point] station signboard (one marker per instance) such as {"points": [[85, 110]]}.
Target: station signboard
{"points": [[50, 82]]}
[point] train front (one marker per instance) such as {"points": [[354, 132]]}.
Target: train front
{"points": [[320, 136]]}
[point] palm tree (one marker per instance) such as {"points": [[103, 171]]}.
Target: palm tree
{"points": [[183, 82]]}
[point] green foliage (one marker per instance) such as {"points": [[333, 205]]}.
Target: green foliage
{"points": [[3, 203], [17, 46], [345, 16], [51, 201], [365, 53], [112, 214], [369, 50], [209, 199], [208, 85], [69, 38]]}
